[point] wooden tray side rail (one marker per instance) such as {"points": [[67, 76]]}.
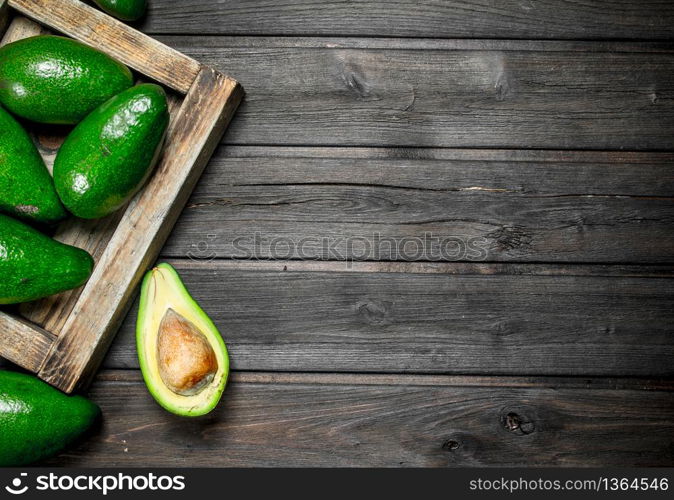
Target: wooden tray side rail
{"points": [[79, 325], [91, 26]]}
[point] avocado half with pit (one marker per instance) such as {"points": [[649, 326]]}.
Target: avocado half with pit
{"points": [[182, 355]]}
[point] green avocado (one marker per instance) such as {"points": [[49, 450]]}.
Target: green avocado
{"points": [[106, 159], [36, 420], [33, 265], [182, 355], [52, 79], [126, 10], [26, 188]]}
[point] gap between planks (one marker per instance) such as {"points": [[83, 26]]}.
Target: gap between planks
{"points": [[308, 378], [451, 268], [519, 155], [426, 44]]}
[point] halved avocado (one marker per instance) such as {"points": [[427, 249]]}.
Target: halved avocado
{"points": [[182, 355]]}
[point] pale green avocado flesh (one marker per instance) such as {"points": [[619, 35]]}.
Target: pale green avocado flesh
{"points": [[182, 356]]}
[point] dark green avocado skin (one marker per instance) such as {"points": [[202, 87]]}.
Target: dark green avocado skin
{"points": [[108, 157], [33, 265], [52, 79], [26, 187], [36, 420], [126, 10]]}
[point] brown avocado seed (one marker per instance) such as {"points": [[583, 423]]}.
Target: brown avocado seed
{"points": [[187, 362]]}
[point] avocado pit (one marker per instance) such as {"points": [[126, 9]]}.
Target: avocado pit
{"points": [[187, 362], [181, 353]]}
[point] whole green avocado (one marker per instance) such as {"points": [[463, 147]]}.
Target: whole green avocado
{"points": [[106, 159], [26, 188], [52, 79], [126, 10], [36, 420], [33, 265]]}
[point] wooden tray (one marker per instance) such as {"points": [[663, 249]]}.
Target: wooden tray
{"points": [[64, 338]]}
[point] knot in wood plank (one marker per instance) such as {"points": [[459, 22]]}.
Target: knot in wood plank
{"points": [[517, 423], [374, 312]]}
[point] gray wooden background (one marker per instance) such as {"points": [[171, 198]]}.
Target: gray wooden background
{"points": [[538, 133]]}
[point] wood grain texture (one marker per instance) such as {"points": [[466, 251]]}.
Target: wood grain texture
{"points": [[140, 52], [554, 19], [23, 343], [141, 232], [445, 268], [478, 319], [21, 27], [429, 204], [553, 95], [269, 419]]}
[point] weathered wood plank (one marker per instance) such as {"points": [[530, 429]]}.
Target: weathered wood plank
{"points": [[147, 221], [23, 343], [554, 19], [269, 419], [476, 320], [21, 27], [514, 95], [140, 52], [331, 203]]}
